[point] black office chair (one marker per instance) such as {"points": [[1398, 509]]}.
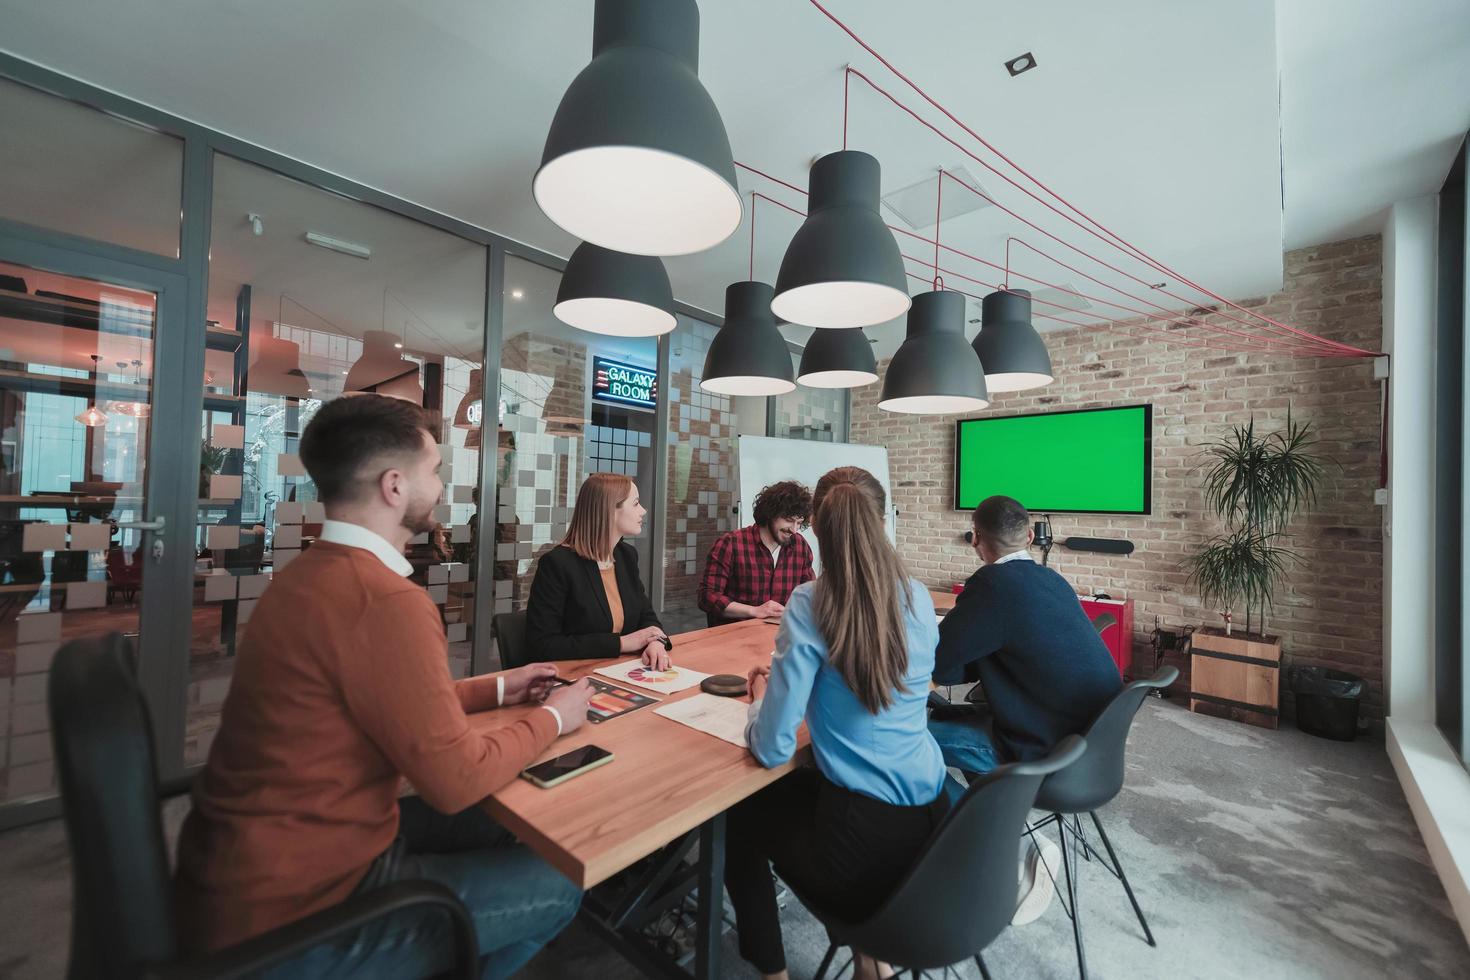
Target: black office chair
{"points": [[510, 640], [961, 893], [1090, 783], [122, 910]]}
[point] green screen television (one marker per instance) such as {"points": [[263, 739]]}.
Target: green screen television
{"points": [[1089, 461]]}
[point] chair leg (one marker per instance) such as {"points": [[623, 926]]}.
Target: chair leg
{"points": [[1122, 876], [980, 962], [1070, 871], [826, 960], [1077, 828]]}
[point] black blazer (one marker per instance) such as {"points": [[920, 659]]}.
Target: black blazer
{"points": [[568, 616]]}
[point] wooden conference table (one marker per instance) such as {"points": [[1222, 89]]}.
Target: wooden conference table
{"points": [[667, 786]]}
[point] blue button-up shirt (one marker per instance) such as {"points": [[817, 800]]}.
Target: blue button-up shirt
{"points": [[890, 755]]}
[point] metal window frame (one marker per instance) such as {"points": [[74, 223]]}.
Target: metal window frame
{"points": [[200, 145]]}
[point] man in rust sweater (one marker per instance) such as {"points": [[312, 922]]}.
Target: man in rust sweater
{"points": [[342, 687]]}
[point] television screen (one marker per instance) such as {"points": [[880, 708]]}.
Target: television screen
{"points": [[1091, 461]]}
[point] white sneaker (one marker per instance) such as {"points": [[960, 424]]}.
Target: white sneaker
{"points": [[1037, 886]]}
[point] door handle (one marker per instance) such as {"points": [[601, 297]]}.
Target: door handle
{"points": [[156, 526]]}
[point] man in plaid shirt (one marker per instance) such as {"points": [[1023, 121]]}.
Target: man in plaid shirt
{"points": [[751, 572]]}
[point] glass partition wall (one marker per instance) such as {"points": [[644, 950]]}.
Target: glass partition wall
{"points": [[556, 425], [311, 297], [174, 307]]}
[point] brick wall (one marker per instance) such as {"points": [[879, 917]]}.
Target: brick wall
{"points": [[1329, 611]]}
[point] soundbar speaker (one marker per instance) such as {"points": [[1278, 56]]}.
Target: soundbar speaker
{"points": [[1106, 546]]}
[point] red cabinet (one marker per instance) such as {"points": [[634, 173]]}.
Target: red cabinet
{"points": [[1118, 636]]}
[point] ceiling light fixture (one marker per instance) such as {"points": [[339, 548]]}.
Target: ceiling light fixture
{"points": [[837, 359], [277, 370], [748, 355], [338, 245], [1012, 352], [517, 294], [935, 372], [842, 268], [637, 158], [1021, 63], [616, 294]]}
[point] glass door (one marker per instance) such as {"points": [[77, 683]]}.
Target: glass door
{"points": [[83, 510]]}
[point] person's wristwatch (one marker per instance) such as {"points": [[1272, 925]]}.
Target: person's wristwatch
{"points": [[668, 643]]}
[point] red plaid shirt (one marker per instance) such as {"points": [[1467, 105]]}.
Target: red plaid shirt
{"points": [[740, 569]]}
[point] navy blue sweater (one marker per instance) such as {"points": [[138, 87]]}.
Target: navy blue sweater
{"points": [[1019, 629]]}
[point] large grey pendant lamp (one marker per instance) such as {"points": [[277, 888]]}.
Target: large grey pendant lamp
{"points": [[748, 355], [1013, 353], [935, 372], [837, 359], [615, 293], [637, 158], [842, 268]]}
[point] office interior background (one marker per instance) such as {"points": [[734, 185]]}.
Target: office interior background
{"points": [[214, 218]]}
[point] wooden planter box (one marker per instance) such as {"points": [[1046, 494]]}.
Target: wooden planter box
{"points": [[1236, 677]]}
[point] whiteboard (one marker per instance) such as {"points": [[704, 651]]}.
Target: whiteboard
{"points": [[762, 460]]}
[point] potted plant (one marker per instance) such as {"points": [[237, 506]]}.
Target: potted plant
{"points": [[1255, 483]]}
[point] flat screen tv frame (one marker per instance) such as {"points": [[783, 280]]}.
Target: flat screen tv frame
{"points": [[1148, 457]]}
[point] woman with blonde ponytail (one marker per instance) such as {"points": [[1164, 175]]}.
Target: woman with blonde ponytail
{"points": [[853, 659]]}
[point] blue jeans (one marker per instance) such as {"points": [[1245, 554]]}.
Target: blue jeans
{"points": [[517, 902], [966, 743]]}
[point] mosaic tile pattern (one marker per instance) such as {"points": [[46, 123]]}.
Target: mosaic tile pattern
{"points": [[701, 487]]}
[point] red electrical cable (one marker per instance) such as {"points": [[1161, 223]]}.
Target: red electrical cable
{"points": [[938, 199], [752, 236], [1196, 320], [1032, 225], [1121, 242], [1221, 345], [1254, 339]]}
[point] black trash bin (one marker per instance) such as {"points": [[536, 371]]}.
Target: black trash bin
{"points": [[1327, 701]]}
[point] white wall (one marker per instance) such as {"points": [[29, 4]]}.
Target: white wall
{"points": [[1408, 337], [1435, 783]]}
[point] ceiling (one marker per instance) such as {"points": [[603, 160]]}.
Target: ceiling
{"points": [[1159, 119]]}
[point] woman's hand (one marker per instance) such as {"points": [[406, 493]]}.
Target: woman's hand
{"points": [[656, 656], [757, 680], [636, 641], [529, 683]]}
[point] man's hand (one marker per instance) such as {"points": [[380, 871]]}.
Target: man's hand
{"points": [[571, 703], [770, 609], [757, 680], [638, 639], [655, 656], [529, 683]]}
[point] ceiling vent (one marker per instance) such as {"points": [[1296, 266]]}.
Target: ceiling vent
{"points": [[1042, 300], [915, 203]]}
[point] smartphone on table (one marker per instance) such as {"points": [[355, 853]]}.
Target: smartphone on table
{"points": [[558, 770]]}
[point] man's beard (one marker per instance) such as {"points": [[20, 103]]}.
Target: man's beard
{"points": [[420, 521], [784, 535]]}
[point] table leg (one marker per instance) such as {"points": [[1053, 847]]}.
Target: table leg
{"points": [[709, 927]]}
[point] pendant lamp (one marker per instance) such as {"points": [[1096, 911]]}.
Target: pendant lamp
{"points": [[935, 372], [1013, 353], [748, 355], [615, 294], [637, 158], [837, 359], [842, 268], [278, 369]]}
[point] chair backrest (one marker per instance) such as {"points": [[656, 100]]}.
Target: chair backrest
{"points": [[1097, 777], [122, 903], [510, 640], [961, 892]]}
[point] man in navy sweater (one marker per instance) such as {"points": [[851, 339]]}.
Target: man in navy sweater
{"points": [[1019, 630]]}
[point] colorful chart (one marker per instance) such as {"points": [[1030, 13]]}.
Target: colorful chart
{"points": [[650, 676]]}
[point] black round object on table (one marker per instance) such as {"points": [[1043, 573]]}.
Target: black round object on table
{"points": [[725, 685]]}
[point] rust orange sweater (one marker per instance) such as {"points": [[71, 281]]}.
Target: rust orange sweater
{"points": [[341, 686]]}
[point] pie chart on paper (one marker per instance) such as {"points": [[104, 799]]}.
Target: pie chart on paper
{"points": [[650, 676], [669, 681]]}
